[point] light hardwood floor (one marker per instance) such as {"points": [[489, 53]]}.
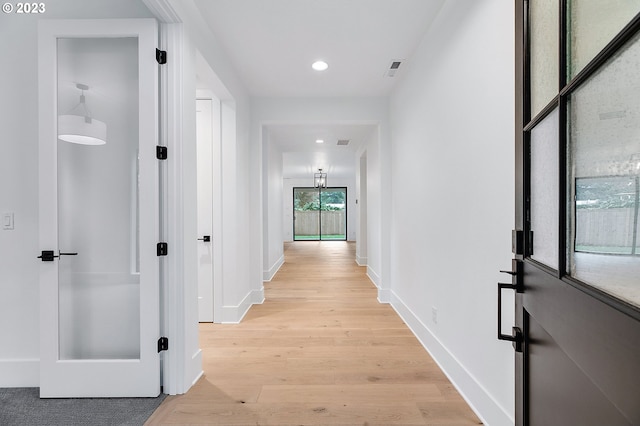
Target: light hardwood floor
{"points": [[320, 350]]}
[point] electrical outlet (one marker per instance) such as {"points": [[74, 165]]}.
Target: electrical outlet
{"points": [[7, 221], [434, 314]]}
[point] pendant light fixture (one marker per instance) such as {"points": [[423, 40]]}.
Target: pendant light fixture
{"points": [[81, 128], [319, 179]]}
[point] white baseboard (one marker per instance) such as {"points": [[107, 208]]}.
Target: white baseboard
{"points": [[234, 314], [196, 362], [375, 278], [384, 295], [269, 274], [197, 378], [361, 260], [19, 373], [257, 296], [480, 401]]}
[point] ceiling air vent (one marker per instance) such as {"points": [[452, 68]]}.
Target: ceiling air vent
{"points": [[343, 142], [393, 68]]}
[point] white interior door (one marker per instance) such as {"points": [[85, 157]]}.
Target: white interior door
{"points": [[99, 308], [204, 124]]}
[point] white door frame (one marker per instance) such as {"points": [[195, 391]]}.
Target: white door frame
{"points": [[181, 367]]}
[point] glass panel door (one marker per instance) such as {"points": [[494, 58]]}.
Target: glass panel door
{"points": [[306, 214], [99, 208], [319, 214], [333, 214], [576, 266]]}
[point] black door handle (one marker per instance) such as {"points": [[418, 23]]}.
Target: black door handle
{"points": [[48, 256], [205, 238], [516, 334], [517, 273]]}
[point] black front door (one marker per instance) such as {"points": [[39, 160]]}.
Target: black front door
{"points": [[577, 247]]}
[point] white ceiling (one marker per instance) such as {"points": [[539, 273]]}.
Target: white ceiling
{"points": [[302, 156], [272, 44]]}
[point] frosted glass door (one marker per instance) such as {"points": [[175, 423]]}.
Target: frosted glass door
{"points": [[99, 209]]}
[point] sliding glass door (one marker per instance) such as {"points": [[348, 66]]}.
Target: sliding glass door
{"points": [[319, 214], [333, 214]]}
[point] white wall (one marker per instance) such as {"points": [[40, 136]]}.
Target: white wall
{"points": [[286, 219], [373, 191], [375, 111], [19, 330], [272, 208], [361, 208], [452, 121]]}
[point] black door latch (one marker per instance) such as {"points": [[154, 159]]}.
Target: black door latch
{"points": [[48, 256]]}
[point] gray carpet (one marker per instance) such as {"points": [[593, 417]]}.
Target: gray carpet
{"points": [[23, 407]]}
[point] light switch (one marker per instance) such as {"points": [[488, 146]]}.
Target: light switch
{"points": [[7, 221]]}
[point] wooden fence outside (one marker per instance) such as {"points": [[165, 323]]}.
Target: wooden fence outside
{"points": [[306, 222], [605, 228]]}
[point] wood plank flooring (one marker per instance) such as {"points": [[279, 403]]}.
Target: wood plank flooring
{"points": [[320, 350]]}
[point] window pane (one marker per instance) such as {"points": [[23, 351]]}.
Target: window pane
{"points": [[544, 190], [333, 212], [544, 18], [604, 126], [98, 198], [306, 215], [606, 209], [592, 24]]}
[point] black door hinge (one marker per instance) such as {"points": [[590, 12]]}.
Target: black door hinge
{"points": [[163, 344], [161, 56], [161, 152], [162, 249]]}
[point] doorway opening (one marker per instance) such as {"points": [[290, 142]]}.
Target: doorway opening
{"points": [[207, 113], [319, 214], [215, 134]]}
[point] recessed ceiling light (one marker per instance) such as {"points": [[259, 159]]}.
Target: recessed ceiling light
{"points": [[319, 141], [320, 65]]}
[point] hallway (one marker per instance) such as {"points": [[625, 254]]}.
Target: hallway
{"points": [[320, 350]]}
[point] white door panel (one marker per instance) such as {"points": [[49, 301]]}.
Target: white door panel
{"points": [[204, 108]]}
